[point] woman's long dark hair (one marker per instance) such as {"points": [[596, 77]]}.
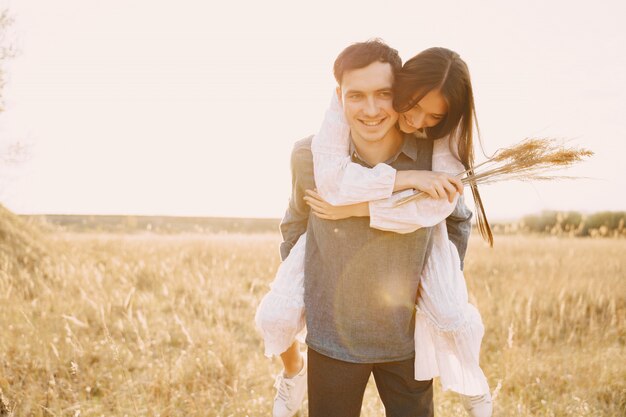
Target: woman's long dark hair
{"points": [[444, 70]]}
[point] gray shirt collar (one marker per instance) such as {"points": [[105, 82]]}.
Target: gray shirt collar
{"points": [[409, 148]]}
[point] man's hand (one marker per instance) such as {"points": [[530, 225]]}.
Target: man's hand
{"points": [[325, 210], [435, 184]]}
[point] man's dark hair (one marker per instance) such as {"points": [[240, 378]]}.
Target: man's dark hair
{"points": [[361, 54]]}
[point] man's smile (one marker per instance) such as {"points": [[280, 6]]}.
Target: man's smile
{"points": [[372, 123]]}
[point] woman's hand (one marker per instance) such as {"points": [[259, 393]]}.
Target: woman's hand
{"points": [[435, 184], [327, 211]]}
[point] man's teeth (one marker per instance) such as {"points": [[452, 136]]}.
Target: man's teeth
{"points": [[374, 123]]}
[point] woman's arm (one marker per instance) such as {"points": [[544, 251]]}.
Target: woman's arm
{"points": [[337, 178], [384, 215], [407, 218], [423, 212], [324, 210], [341, 182]]}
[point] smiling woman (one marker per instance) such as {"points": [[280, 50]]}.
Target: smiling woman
{"points": [[434, 83], [426, 113]]}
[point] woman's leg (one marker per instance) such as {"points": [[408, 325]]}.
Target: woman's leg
{"points": [[292, 360], [291, 385]]}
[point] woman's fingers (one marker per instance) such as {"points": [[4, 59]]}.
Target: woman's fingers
{"points": [[315, 195], [441, 190], [450, 191], [446, 187], [317, 202], [320, 207], [320, 212], [315, 205], [314, 199], [457, 184], [323, 216], [431, 192]]}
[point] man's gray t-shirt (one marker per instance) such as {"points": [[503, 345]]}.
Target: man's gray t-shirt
{"points": [[361, 283]]}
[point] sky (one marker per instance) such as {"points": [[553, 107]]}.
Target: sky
{"points": [[191, 108]]}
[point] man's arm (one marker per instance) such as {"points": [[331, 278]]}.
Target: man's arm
{"points": [[459, 225], [296, 218]]}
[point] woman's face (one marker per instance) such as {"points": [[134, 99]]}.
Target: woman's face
{"points": [[428, 112]]}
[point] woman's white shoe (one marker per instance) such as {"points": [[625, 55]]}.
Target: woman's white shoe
{"points": [[290, 393], [478, 405]]}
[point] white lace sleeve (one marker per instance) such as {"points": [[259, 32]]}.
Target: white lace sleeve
{"points": [[407, 218], [423, 212], [339, 180]]}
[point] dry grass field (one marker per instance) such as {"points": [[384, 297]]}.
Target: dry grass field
{"points": [[162, 325]]}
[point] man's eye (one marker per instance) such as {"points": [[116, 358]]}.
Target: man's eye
{"points": [[386, 94], [354, 96]]}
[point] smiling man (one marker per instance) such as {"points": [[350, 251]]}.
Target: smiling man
{"points": [[366, 97], [361, 283]]}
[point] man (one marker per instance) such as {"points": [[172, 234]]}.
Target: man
{"points": [[361, 283]]}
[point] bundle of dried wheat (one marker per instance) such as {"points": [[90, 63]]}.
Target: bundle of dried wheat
{"points": [[531, 159]]}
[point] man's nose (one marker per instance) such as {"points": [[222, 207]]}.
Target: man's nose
{"points": [[371, 107]]}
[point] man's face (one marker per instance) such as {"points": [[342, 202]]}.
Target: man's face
{"points": [[366, 97]]}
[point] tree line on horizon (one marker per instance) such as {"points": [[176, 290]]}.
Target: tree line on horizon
{"points": [[555, 223], [569, 223]]}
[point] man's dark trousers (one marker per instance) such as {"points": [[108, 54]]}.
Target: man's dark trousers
{"points": [[336, 387]]}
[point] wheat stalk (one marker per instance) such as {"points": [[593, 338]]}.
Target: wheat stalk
{"points": [[531, 159]]}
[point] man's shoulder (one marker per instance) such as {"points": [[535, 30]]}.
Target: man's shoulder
{"points": [[301, 152], [303, 145]]}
